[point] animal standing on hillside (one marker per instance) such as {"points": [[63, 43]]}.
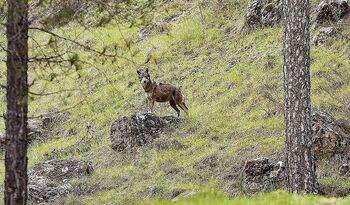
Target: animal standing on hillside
{"points": [[161, 92]]}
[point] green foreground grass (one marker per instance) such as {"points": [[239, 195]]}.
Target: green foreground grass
{"points": [[274, 198]]}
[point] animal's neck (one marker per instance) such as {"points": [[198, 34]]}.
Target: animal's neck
{"points": [[149, 87]]}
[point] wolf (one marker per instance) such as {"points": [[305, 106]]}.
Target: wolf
{"points": [[161, 92]]}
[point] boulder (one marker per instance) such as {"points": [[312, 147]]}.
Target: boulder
{"points": [[329, 136], [50, 180], [324, 34], [331, 10], [35, 132], [43, 130], [52, 119], [263, 13], [43, 190], [138, 130], [261, 175], [61, 170]]}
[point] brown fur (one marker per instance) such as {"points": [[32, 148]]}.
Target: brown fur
{"points": [[160, 92]]}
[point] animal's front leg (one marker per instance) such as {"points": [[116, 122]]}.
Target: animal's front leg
{"points": [[148, 104], [151, 105]]}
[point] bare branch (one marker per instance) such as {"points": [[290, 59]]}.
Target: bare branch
{"points": [[52, 93], [3, 48], [101, 53]]}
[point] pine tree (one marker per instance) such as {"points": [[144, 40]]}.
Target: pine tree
{"points": [[300, 163]]}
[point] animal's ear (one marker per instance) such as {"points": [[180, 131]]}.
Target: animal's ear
{"points": [[147, 70]]}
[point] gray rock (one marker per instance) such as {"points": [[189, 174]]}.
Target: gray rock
{"points": [[50, 180], [331, 10], [43, 190], [130, 133], [263, 13], [35, 132], [324, 34], [43, 130], [261, 175], [61, 170], [52, 119], [329, 136]]}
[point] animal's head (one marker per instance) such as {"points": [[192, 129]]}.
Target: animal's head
{"points": [[144, 77]]}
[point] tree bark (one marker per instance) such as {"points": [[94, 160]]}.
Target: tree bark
{"points": [[300, 162], [17, 103]]}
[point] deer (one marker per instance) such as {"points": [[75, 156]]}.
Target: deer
{"points": [[161, 92]]}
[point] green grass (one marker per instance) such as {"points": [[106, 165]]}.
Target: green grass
{"points": [[274, 198], [233, 85]]}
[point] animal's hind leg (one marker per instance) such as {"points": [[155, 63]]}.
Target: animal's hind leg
{"points": [[183, 107], [173, 105]]}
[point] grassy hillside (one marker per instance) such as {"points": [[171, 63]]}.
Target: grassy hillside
{"points": [[234, 88]]}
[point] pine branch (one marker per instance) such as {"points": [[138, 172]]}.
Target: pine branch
{"points": [[101, 53]]}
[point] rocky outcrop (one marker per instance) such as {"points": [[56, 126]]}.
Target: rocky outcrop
{"points": [[331, 10], [330, 137], [61, 170], [263, 13], [130, 133], [323, 35], [261, 175], [43, 190], [50, 180]]}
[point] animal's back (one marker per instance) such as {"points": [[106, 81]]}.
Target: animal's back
{"points": [[163, 92]]}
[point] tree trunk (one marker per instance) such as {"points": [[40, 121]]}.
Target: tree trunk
{"points": [[17, 103], [300, 163]]}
